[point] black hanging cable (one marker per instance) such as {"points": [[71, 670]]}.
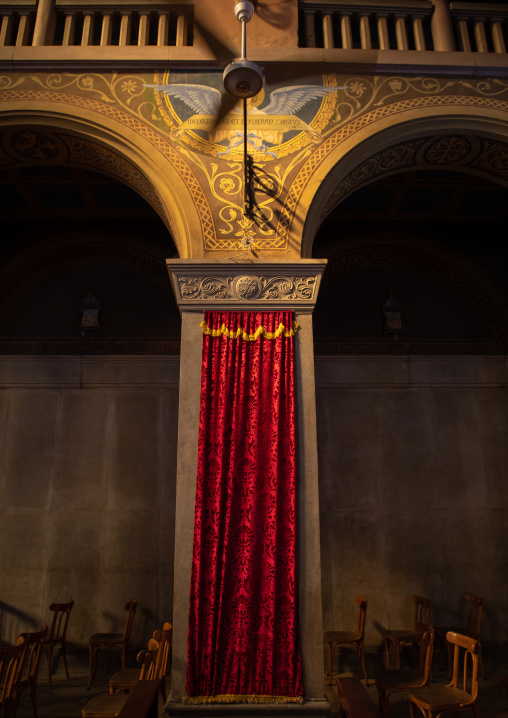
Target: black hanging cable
{"points": [[246, 182]]}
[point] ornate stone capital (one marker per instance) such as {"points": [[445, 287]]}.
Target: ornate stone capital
{"points": [[201, 284]]}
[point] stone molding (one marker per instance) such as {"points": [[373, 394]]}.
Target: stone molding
{"points": [[248, 285]]}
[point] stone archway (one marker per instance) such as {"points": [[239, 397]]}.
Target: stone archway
{"points": [[32, 135], [474, 143]]}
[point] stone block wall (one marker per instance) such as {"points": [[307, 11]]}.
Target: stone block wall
{"points": [[87, 479], [413, 462]]}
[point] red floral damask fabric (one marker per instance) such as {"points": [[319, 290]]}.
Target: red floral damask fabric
{"points": [[243, 625]]}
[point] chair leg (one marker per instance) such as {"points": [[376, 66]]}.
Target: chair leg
{"points": [[330, 659], [387, 649], [162, 689], [383, 707], [362, 658], [33, 696], [50, 662], [398, 648], [93, 663], [64, 656]]}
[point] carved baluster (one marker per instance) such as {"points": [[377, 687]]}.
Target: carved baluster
{"points": [[497, 35], [345, 31], [463, 31], [310, 33], [328, 30], [23, 35], [163, 29], [181, 30], [87, 36], [441, 25], [382, 31], [365, 37], [480, 36], [144, 29], [401, 32], [44, 23], [6, 29], [106, 29], [69, 33], [418, 33], [125, 28]]}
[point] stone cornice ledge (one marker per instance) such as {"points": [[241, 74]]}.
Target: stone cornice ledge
{"points": [[201, 284]]}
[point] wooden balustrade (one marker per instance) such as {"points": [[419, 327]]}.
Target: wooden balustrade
{"points": [[404, 25], [480, 27], [17, 24], [118, 23], [350, 24]]}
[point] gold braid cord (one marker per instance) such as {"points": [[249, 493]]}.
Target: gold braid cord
{"points": [[230, 698], [260, 332]]}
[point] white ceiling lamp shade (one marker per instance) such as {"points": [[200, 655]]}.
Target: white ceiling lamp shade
{"points": [[241, 77]]}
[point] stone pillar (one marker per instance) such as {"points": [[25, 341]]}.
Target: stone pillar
{"points": [[251, 286]]}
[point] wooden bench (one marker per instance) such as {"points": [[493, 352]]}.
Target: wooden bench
{"points": [[354, 701], [142, 701]]}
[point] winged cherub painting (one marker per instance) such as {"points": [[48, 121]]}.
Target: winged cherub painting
{"points": [[266, 127]]}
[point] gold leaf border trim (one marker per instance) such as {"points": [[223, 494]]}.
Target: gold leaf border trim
{"points": [[240, 332], [231, 698]]}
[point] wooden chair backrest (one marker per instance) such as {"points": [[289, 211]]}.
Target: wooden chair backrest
{"points": [[422, 612], [164, 637], [34, 642], [471, 647], [362, 614], [426, 651], [131, 607], [11, 668], [474, 614], [148, 660], [58, 629]]}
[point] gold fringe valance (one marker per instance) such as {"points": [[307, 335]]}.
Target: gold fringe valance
{"points": [[240, 332], [231, 698]]}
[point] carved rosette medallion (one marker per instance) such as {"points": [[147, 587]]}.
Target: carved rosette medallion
{"points": [[246, 286]]}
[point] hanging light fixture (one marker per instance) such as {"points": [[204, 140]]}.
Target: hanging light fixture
{"points": [[243, 78]]}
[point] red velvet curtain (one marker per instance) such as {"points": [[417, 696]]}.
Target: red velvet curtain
{"points": [[244, 642]]}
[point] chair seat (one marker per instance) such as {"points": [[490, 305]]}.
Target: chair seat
{"points": [[405, 635], [106, 638], [439, 698], [342, 636], [104, 705], [122, 680]]}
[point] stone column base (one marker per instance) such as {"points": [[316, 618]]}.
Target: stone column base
{"points": [[308, 709]]}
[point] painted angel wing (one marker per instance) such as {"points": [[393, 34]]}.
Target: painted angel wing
{"points": [[201, 99], [288, 100]]}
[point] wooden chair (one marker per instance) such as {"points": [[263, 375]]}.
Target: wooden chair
{"points": [[11, 669], [397, 681], [126, 679], [471, 629], [108, 705], [397, 637], [34, 643], [433, 700], [57, 632], [342, 638], [113, 640]]}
